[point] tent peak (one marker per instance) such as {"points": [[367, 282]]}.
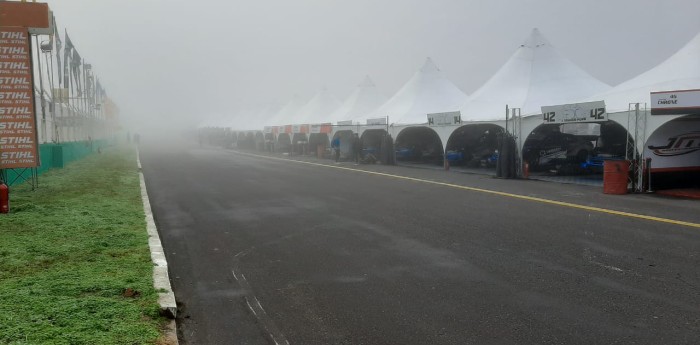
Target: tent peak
{"points": [[429, 66], [536, 39], [367, 82]]}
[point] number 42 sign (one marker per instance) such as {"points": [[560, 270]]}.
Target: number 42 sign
{"points": [[575, 113]]}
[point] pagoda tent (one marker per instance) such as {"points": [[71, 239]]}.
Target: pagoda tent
{"points": [[360, 104], [681, 71], [254, 116], [288, 114], [536, 75], [319, 109], [428, 91]]}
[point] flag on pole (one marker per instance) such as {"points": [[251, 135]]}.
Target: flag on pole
{"points": [[76, 62], [59, 46], [67, 52]]}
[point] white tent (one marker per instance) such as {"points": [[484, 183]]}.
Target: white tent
{"points": [[359, 105], [428, 91], [319, 108], [535, 75], [288, 114], [253, 116], [681, 71]]}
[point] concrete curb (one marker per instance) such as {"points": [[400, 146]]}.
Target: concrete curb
{"points": [[161, 280]]}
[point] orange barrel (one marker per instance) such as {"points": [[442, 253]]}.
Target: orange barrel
{"points": [[615, 174]]}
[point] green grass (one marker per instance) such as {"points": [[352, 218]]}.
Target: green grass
{"points": [[69, 250]]}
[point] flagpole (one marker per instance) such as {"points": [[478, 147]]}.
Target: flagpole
{"points": [[41, 89], [49, 72]]}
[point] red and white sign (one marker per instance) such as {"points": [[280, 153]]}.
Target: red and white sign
{"points": [[18, 139], [321, 128], [300, 129], [681, 102], [675, 146]]}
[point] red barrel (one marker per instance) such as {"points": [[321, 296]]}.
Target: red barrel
{"points": [[615, 174]]}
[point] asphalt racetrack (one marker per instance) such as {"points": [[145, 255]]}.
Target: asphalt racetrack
{"points": [[265, 250]]}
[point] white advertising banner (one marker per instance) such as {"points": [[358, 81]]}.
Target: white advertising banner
{"points": [[268, 129], [679, 102], [296, 129], [345, 123], [377, 121], [675, 146], [575, 113], [450, 118]]}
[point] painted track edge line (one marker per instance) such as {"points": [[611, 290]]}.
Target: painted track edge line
{"points": [[493, 192], [161, 279]]}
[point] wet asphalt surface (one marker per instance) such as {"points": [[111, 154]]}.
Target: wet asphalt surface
{"points": [[263, 250]]}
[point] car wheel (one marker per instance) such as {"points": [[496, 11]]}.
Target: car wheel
{"points": [[581, 156]]}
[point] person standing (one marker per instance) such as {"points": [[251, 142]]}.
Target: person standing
{"points": [[336, 148]]}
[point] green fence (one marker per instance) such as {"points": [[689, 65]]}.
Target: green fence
{"points": [[57, 156]]}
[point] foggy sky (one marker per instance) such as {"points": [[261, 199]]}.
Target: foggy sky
{"points": [[180, 62]]}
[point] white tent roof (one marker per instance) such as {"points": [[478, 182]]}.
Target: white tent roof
{"points": [[254, 116], [426, 92], [535, 75], [359, 105], [319, 108], [681, 71], [215, 120], [288, 114]]}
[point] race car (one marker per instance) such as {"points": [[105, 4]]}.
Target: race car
{"points": [[552, 149]]}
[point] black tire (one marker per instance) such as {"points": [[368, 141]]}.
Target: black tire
{"points": [[581, 156]]}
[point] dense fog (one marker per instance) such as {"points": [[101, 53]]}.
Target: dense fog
{"points": [[178, 64]]}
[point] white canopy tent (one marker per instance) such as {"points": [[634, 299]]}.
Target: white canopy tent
{"points": [[253, 117], [428, 91], [215, 121], [681, 71], [360, 104], [288, 114], [535, 75], [319, 108]]}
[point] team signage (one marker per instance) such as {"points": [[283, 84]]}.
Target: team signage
{"points": [[575, 113], [18, 137], [300, 129], [675, 146], [680, 102], [321, 128], [450, 118], [377, 121]]}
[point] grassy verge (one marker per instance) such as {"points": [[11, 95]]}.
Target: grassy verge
{"points": [[70, 252]]}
